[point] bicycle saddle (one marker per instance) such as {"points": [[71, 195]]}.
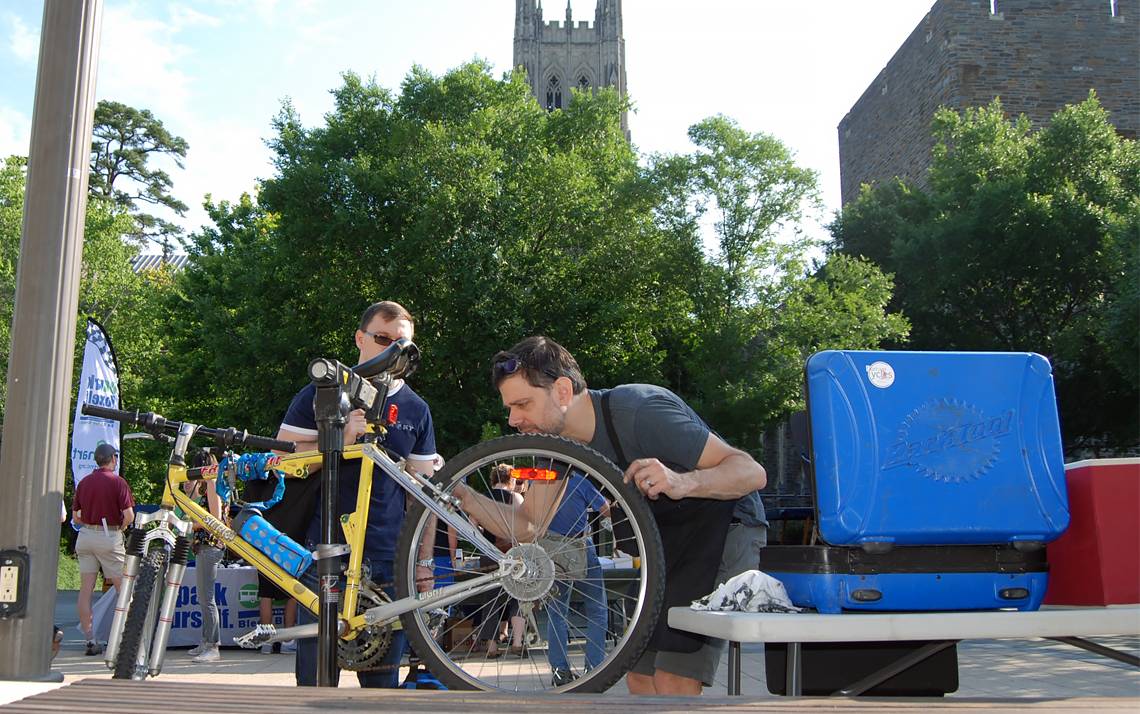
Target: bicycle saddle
{"points": [[399, 360]]}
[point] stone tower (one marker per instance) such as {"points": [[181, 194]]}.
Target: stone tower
{"points": [[1037, 55], [558, 56]]}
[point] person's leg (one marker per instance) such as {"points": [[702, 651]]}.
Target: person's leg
{"points": [[86, 587], [387, 676], [305, 665], [639, 679], [88, 568], [206, 572], [556, 628], [290, 612], [594, 600], [675, 684], [741, 554]]}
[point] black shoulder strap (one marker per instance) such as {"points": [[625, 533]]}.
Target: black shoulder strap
{"points": [[622, 462]]}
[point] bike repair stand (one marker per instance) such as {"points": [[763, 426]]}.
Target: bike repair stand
{"points": [[331, 407]]}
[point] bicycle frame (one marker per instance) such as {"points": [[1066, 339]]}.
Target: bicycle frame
{"points": [[300, 465]]}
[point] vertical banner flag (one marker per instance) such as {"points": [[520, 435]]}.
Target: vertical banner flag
{"points": [[98, 385]]}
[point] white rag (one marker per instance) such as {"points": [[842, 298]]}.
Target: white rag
{"points": [[751, 591]]}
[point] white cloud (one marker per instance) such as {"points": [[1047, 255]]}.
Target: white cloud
{"points": [[15, 132], [23, 42], [239, 148], [138, 63], [183, 16]]}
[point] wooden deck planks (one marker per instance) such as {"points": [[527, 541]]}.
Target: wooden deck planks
{"points": [[202, 698]]}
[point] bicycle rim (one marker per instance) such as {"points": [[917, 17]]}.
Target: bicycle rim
{"points": [[609, 614]]}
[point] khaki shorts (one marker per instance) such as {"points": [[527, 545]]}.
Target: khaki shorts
{"points": [[96, 549]]}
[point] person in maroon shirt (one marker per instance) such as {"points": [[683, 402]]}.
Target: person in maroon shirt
{"points": [[103, 505]]}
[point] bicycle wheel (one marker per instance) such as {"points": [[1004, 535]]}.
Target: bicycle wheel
{"points": [[142, 613], [579, 634]]}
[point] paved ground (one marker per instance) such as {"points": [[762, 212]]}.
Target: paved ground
{"points": [[987, 669]]}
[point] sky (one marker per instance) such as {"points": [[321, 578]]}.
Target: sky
{"points": [[216, 71]]}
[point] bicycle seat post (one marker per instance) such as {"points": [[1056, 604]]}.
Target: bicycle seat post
{"points": [[331, 407]]}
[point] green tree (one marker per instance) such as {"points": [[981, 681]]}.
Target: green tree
{"points": [[492, 219], [109, 291], [757, 310], [126, 144], [1025, 240]]}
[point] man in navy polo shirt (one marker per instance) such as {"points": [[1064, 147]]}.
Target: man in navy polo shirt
{"points": [[412, 437]]}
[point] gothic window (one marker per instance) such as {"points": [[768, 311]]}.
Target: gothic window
{"points": [[583, 83], [553, 95]]}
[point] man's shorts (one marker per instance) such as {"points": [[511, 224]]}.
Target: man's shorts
{"points": [[741, 552], [96, 549]]}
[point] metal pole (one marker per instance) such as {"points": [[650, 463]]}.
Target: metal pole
{"points": [[33, 462], [330, 406]]}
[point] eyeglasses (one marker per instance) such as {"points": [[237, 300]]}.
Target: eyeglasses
{"points": [[380, 340], [506, 366]]}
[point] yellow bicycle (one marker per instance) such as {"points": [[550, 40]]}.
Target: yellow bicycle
{"points": [[581, 626]]}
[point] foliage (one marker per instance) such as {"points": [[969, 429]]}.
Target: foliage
{"points": [[1025, 241], [757, 311], [492, 219], [109, 291], [125, 145]]}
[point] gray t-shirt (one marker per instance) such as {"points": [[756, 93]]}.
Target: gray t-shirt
{"points": [[653, 422]]}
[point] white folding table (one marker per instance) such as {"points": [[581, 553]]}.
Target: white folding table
{"points": [[1068, 625]]}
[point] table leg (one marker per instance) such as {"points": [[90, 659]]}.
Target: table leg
{"points": [[793, 682], [733, 669], [889, 671], [1099, 649]]}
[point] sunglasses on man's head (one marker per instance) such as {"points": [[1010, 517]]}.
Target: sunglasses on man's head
{"points": [[380, 340], [507, 366]]}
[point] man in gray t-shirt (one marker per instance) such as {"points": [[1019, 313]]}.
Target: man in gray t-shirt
{"points": [[691, 477]]}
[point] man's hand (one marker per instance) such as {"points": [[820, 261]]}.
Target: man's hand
{"points": [[653, 479], [354, 426]]}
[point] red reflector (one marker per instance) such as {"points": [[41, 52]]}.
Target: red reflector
{"points": [[529, 474], [393, 412]]}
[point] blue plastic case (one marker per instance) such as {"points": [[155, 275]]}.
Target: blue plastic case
{"points": [[935, 448]]}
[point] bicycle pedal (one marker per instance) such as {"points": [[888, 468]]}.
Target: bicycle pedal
{"points": [[256, 637]]}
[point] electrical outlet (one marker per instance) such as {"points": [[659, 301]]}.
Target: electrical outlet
{"points": [[9, 583]]}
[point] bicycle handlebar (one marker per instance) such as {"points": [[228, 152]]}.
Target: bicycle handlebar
{"points": [[225, 438]]}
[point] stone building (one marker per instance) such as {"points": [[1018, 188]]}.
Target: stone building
{"points": [[1037, 55], [558, 56]]}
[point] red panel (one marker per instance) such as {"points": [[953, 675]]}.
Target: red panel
{"points": [[1097, 560]]}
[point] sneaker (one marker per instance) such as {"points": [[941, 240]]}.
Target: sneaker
{"points": [[93, 648], [289, 646], [267, 648], [196, 649], [562, 676], [208, 654]]}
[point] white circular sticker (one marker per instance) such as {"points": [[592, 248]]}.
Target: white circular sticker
{"points": [[881, 374]]}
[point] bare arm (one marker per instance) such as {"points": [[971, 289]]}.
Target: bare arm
{"points": [[213, 503], [128, 518], [354, 426], [521, 522], [723, 473]]}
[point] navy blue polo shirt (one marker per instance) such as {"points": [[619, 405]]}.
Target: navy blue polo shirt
{"points": [[412, 437]]}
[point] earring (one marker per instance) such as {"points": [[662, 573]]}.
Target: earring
{"points": [[563, 408]]}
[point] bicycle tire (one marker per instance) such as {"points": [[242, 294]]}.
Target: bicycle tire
{"points": [[141, 614], [640, 589]]}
